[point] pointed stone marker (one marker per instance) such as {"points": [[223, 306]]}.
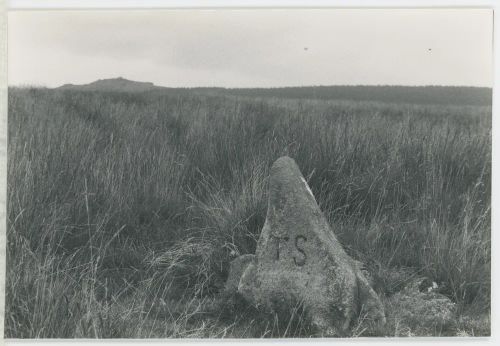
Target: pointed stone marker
{"points": [[300, 261]]}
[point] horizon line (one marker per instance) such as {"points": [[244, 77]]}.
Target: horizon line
{"points": [[33, 85]]}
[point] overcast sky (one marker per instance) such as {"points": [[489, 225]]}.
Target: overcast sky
{"points": [[253, 48]]}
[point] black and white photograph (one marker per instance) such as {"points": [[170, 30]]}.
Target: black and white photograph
{"points": [[249, 173]]}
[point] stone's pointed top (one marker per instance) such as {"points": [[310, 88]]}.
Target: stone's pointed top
{"points": [[284, 160], [285, 163], [289, 192]]}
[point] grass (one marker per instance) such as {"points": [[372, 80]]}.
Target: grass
{"points": [[124, 210]]}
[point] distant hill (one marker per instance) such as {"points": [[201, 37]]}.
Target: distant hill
{"points": [[451, 95], [113, 84]]}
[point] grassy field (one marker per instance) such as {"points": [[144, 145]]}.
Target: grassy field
{"points": [[124, 210]]}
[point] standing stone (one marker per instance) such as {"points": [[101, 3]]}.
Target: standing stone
{"points": [[300, 261]]}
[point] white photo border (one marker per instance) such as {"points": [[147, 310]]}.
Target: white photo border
{"points": [[20, 5]]}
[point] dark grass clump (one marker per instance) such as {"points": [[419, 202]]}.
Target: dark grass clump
{"points": [[124, 210]]}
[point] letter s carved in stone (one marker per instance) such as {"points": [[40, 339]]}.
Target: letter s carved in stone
{"points": [[302, 260]]}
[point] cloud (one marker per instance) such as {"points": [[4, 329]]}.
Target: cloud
{"points": [[253, 47]]}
